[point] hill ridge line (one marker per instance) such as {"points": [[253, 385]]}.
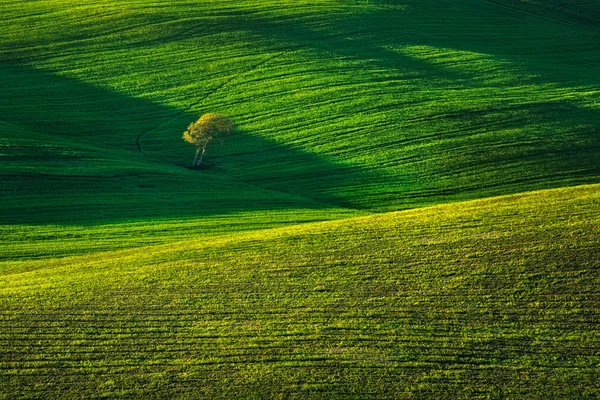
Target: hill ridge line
{"points": [[152, 251]]}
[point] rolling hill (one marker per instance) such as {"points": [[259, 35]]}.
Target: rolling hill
{"points": [[493, 298], [408, 207], [376, 105]]}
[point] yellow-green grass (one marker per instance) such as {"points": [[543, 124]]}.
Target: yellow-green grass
{"points": [[46, 241], [378, 105], [493, 298]]}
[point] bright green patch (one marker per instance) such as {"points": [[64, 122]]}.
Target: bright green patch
{"points": [[487, 299]]}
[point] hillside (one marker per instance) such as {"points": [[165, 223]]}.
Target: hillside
{"points": [[494, 298], [374, 105]]}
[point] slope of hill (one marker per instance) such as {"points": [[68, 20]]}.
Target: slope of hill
{"points": [[62, 197], [494, 298], [376, 105], [63, 162]]}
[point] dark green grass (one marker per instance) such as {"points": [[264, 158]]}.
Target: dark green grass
{"points": [[77, 198], [374, 105], [487, 299], [64, 162]]}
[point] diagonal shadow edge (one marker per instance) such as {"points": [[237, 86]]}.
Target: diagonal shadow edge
{"points": [[91, 118]]}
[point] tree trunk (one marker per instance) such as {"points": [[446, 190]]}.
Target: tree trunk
{"points": [[202, 154], [195, 158]]}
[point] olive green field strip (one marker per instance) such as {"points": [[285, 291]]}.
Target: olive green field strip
{"points": [[377, 105], [493, 298]]}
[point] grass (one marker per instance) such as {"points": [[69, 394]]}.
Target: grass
{"points": [[287, 268], [371, 105], [49, 177], [493, 298]]}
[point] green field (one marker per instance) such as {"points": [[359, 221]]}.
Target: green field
{"points": [[409, 206]]}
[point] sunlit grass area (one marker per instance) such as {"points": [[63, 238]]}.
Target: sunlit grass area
{"points": [[488, 299]]}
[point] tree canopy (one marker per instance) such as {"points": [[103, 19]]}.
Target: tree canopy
{"points": [[209, 127]]}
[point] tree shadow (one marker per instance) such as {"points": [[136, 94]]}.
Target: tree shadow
{"points": [[69, 154]]}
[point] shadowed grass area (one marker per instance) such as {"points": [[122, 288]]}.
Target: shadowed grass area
{"points": [[488, 299], [373, 105], [75, 159]]}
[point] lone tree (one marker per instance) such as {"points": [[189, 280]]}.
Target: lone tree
{"points": [[209, 127]]}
